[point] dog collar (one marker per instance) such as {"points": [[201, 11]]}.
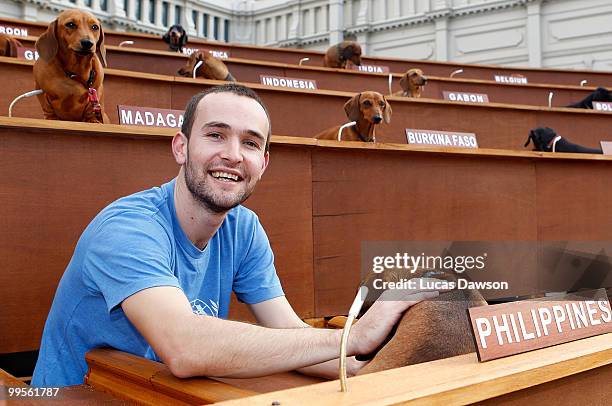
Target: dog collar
{"points": [[553, 143], [92, 93]]}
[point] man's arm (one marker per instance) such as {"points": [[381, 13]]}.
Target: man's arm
{"points": [[192, 345]]}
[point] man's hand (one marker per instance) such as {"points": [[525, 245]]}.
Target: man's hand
{"points": [[376, 324]]}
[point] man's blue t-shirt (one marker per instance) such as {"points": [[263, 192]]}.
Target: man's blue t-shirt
{"points": [[137, 243]]}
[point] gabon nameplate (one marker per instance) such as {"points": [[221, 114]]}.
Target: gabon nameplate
{"points": [[513, 328], [466, 97]]}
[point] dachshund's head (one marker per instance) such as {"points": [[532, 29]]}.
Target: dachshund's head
{"points": [[413, 81], [350, 51], [76, 34], [194, 58], [210, 68], [542, 138], [8, 46], [176, 38], [370, 106]]}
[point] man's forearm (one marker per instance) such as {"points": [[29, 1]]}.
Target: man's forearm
{"points": [[241, 350]]}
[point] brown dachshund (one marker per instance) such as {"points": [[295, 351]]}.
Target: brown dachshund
{"points": [[367, 109], [430, 330], [412, 83], [211, 68], [68, 69], [338, 55], [8, 46]]}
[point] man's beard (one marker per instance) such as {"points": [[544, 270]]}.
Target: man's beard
{"points": [[215, 202]]}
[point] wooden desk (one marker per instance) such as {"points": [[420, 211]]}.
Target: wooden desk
{"points": [[306, 113], [578, 372], [397, 65]]}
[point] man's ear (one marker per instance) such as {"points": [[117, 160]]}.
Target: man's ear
{"points": [[265, 163], [180, 144]]}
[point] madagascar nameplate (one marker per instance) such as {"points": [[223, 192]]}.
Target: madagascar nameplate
{"points": [[441, 138], [513, 79], [289, 83], [602, 106], [217, 53], [13, 31], [466, 97], [371, 68], [150, 117], [512, 328], [29, 54]]}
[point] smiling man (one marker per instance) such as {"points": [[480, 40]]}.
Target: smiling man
{"points": [[153, 272]]}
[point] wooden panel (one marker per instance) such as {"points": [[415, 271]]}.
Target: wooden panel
{"points": [[461, 380], [397, 65], [55, 180], [306, 113], [374, 195]]}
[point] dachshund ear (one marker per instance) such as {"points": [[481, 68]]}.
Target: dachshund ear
{"points": [[347, 52], [388, 111], [46, 45], [404, 82], [184, 38], [351, 108], [166, 38], [101, 48]]}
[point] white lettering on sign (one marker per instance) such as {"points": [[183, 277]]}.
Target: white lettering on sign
{"points": [[512, 328], [441, 138], [466, 97], [29, 54], [290, 83], [371, 68], [517, 80], [602, 106], [14, 31], [219, 54], [150, 117]]}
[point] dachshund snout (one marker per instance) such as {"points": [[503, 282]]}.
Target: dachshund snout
{"points": [[377, 119], [86, 44]]}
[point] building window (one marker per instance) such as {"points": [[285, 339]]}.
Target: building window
{"points": [[226, 30], [194, 17], [177, 15], [205, 25], [125, 7], [165, 7], [139, 10], [151, 11], [216, 28], [87, 3], [104, 5]]}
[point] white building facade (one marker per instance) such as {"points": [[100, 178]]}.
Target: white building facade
{"points": [[537, 33]]}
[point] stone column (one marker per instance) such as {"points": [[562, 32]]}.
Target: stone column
{"points": [[441, 27], [534, 34]]}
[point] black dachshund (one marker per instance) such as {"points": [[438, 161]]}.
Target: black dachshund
{"points": [[176, 38], [600, 94], [546, 139]]}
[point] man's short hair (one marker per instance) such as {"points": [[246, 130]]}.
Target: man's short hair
{"points": [[234, 88]]}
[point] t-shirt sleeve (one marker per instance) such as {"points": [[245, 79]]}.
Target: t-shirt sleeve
{"points": [[256, 280], [126, 254]]}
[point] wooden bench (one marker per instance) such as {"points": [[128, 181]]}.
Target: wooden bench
{"points": [[578, 372], [397, 65], [317, 201], [306, 113]]}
